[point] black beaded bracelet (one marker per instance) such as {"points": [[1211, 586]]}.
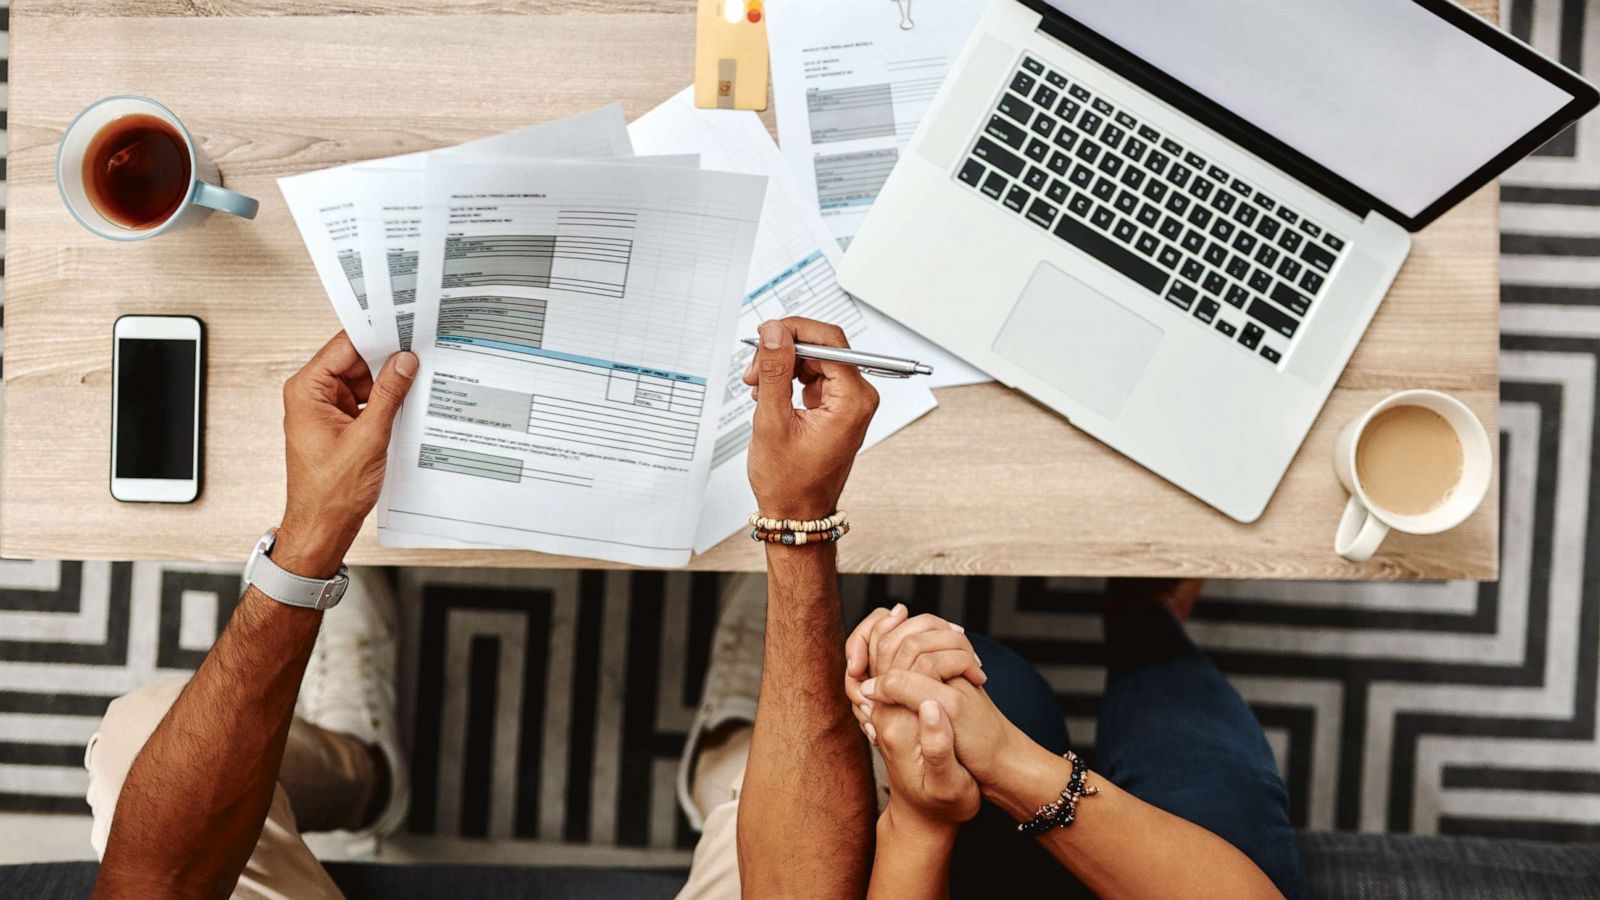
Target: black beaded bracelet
{"points": [[1063, 810]]}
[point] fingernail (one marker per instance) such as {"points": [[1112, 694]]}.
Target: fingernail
{"points": [[866, 709], [979, 659], [868, 686], [753, 394], [405, 363], [898, 611], [771, 335], [930, 713], [872, 733], [750, 367], [957, 628]]}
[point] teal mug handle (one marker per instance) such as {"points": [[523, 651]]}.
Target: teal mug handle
{"points": [[223, 200]]}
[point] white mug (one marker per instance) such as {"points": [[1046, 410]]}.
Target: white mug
{"points": [[1364, 524], [204, 194]]}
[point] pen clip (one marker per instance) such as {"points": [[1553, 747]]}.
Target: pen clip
{"points": [[884, 373]]}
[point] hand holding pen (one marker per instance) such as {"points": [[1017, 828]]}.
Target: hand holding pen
{"points": [[868, 363]]}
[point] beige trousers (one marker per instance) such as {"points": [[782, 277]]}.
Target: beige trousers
{"points": [[325, 778]]}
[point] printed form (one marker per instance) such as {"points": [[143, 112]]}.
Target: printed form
{"points": [[791, 274], [568, 378], [852, 82], [388, 199], [324, 211]]}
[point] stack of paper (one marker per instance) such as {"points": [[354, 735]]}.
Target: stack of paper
{"points": [[576, 311]]}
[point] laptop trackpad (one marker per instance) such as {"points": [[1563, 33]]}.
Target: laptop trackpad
{"points": [[1080, 341]]}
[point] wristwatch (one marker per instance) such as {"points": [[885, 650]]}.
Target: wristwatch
{"points": [[288, 588]]}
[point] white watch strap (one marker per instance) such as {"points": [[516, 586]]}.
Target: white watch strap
{"points": [[288, 588]]}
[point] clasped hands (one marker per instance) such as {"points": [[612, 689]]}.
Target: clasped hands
{"points": [[916, 687]]}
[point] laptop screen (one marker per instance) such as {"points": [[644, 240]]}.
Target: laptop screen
{"points": [[1384, 93]]}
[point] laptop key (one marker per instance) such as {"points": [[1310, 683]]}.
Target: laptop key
{"points": [[1245, 215], [1199, 216], [1260, 281], [1089, 123], [1022, 83], [1237, 297], [1178, 175], [1036, 178], [1103, 106], [1067, 110], [1104, 189], [1214, 283], [1217, 175], [1088, 152], [1041, 213], [1147, 243], [1181, 295], [1060, 163], [1226, 327], [1266, 255], [1056, 78], [1149, 134], [1149, 216], [1037, 150], [1033, 65], [1194, 241], [1171, 146], [1272, 317], [1016, 199], [1080, 204], [1318, 257], [1267, 228], [1286, 297], [1288, 215], [1102, 217], [1169, 257], [971, 172], [1045, 96], [1177, 203], [1194, 159], [1079, 91], [1125, 231], [1057, 192], [1289, 269], [1333, 240], [1132, 176], [1111, 253], [1240, 188], [994, 185], [1221, 229], [1082, 176], [1252, 335], [1266, 203], [1127, 203], [1216, 255], [1015, 108], [1002, 159], [1269, 354], [1207, 310], [1244, 242], [1126, 120], [1111, 164], [1112, 136], [1134, 149], [1290, 240], [1222, 202], [1192, 270], [1311, 228], [1065, 138], [1156, 161], [1006, 131], [1311, 281], [1201, 189], [1239, 268], [1155, 190], [1043, 125], [1171, 228]]}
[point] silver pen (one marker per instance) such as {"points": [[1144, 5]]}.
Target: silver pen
{"points": [[869, 363]]}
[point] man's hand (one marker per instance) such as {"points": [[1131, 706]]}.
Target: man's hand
{"points": [[800, 458], [336, 452]]}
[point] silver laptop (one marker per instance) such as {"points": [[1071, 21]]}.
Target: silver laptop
{"points": [[1171, 220]]}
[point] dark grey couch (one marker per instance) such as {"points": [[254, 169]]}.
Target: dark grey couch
{"points": [[1353, 866]]}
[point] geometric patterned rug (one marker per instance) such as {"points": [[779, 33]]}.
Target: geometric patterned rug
{"points": [[546, 710]]}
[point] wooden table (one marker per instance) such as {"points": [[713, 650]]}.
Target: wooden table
{"points": [[275, 87]]}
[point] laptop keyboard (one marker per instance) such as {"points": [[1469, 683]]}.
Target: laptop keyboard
{"points": [[1241, 263]]}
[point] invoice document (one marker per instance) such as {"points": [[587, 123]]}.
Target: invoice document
{"points": [[791, 274], [388, 206], [324, 211], [572, 327], [851, 82]]}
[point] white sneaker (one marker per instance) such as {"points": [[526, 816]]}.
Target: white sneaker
{"points": [[733, 681], [350, 687]]}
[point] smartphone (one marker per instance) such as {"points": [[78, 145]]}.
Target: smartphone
{"points": [[157, 408]]}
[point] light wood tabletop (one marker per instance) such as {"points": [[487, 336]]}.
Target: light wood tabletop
{"points": [[988, 483]]}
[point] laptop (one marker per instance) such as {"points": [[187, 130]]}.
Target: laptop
{"points": [[1170, 221]]}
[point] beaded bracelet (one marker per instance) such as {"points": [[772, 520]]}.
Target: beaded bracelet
{"points": [[807, 525], [1062, 811], [797, 538]]}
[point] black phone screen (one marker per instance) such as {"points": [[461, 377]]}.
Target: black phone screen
{"points": [[156, 408]]}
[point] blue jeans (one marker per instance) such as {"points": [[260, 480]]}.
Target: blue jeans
{"points": [[1172, 731]]}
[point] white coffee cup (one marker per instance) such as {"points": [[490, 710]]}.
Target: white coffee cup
{"points": [[205, 193], [1365, 524]]}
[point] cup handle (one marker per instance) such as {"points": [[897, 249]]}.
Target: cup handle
{"points": [[223, 200], [1359, 532]]}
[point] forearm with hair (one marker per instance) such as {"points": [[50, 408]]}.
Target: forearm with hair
{"points": [[806, 809], [192, 806]]}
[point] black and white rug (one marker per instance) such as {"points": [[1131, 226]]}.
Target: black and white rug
{"points": [[547, 710]]}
